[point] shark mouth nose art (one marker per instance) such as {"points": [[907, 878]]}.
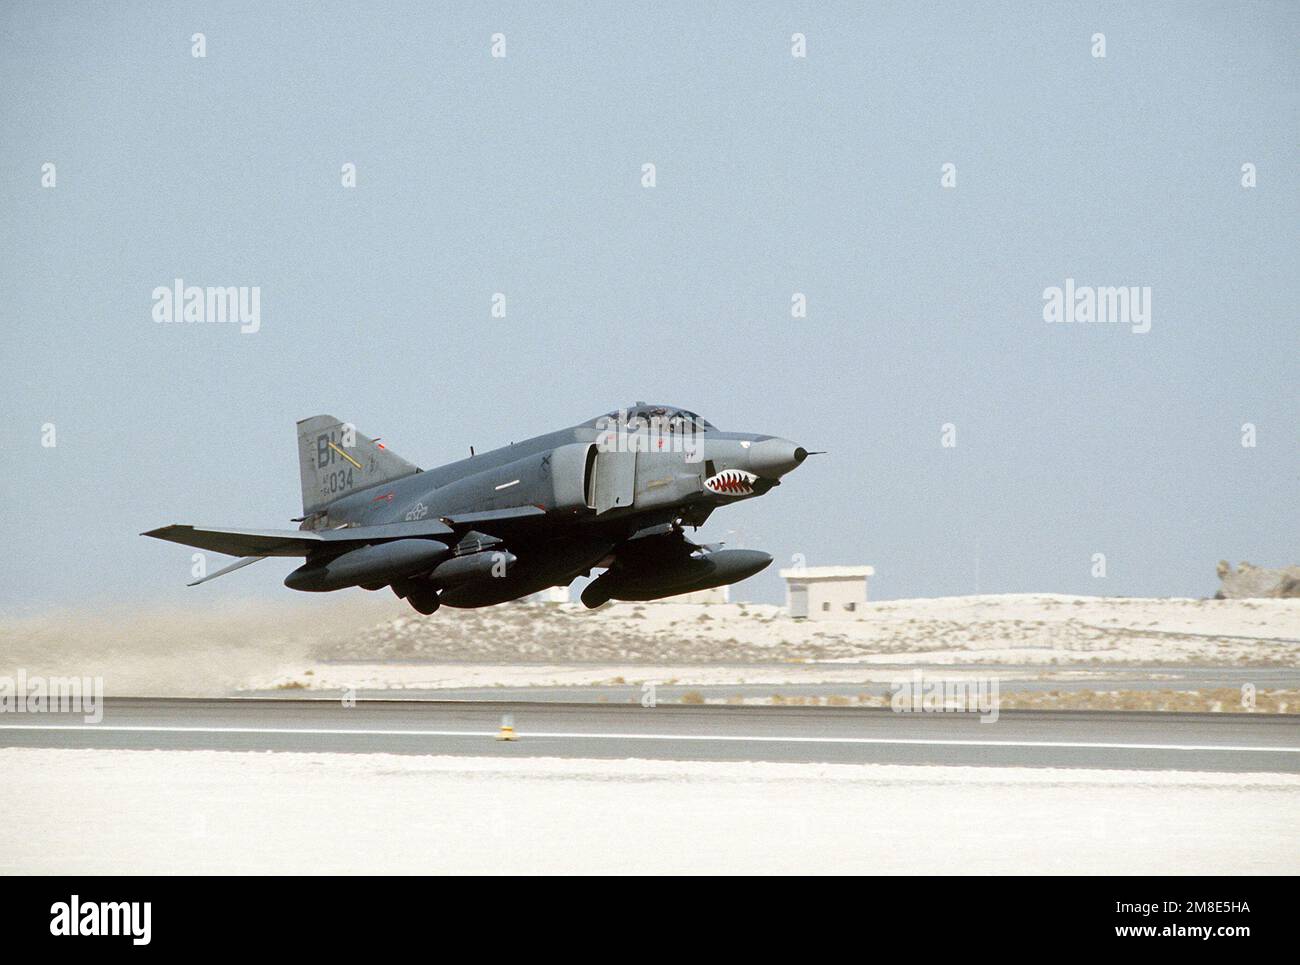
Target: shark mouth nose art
{"points": [[731, 482]]}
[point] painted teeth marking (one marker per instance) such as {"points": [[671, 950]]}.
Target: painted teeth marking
{"points": [[731, 482]]}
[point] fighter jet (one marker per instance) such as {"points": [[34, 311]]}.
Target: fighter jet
{"points": [[615, 493]]}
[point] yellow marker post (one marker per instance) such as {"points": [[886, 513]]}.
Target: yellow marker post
{"points": [[507, 732]]}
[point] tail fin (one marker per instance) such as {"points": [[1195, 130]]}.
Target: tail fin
{"points": [[334, 460]]}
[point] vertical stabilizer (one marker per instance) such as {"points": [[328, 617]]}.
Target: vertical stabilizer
{"points": [[334, 460]]}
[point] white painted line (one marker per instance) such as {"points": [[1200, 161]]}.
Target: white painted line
{"points": [[717, 738], [513, 482]]}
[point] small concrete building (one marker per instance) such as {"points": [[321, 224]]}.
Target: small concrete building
{"points": [[827, 592]]}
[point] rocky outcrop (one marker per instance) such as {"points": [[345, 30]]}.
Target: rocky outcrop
{"points": [[1248, 581]]}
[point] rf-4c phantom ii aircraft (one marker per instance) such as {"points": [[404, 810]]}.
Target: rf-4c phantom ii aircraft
{"points": [[613, 493]]}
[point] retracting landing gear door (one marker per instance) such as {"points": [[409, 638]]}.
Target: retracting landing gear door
{"points": [[615, 480]]}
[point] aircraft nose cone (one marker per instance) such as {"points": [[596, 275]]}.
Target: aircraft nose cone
{"points": [[773, 458]]}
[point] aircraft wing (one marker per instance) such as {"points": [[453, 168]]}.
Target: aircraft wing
{"points": [[495, 516], [290, 542], [241, 542], [300, 542]]}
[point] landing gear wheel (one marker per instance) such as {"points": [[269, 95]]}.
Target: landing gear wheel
{"points": [[423, 599]]}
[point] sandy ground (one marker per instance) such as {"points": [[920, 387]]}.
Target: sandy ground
{"points": [[206, 651], [373, 641], [1012, 629], [448, 676], [211, 812]]}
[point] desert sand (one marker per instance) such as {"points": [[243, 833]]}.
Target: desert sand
{"points": [[374, 641]]}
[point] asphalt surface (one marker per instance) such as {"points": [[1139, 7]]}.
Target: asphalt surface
{"points": [[1143, 741]]}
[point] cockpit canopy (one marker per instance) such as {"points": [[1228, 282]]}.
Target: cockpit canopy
{"points": [[665, 418]]}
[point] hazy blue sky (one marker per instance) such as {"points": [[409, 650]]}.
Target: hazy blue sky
{"points": [[775, 175]]}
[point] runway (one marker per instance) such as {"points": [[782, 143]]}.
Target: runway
{"points": [[1110, 740]]}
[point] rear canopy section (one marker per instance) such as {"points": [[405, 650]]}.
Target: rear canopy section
{"points": [[335, 460]]}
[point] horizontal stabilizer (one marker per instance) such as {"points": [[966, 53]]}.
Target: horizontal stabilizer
{"points": [[237, 565]]}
